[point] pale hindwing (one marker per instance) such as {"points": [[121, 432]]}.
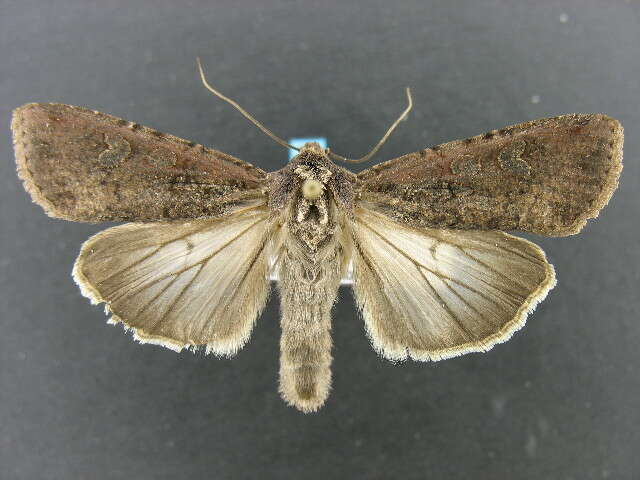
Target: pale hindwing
{"points": [[190, 284], [434, 294]]}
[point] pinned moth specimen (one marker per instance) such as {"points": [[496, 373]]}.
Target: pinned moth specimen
{"points": [[420, 237]]}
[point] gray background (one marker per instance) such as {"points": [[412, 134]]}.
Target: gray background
{"points": [[80, 399]]}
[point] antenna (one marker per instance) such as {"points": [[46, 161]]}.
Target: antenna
{"points": [[373, 151], [264, 129]]}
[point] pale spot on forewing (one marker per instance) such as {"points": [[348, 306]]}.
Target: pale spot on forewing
{"points": [[510, 159], [466, 165], [162, 158], [117, 152]]}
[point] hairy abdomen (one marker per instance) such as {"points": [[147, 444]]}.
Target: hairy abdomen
{"points": [[308, 287]]}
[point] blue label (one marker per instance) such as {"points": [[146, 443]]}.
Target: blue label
{"points": [[300, 141]]}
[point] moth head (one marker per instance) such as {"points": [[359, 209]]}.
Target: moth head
{"points": [[312, 189], [311, 179]]}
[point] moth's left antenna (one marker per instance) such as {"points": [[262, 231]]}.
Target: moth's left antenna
{"points": [[264, 129]]}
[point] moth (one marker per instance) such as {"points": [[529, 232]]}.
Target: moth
{"points": [[420, 237]]}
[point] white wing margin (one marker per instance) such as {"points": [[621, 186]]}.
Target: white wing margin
{"points": [[434, 294], [182, 284]]}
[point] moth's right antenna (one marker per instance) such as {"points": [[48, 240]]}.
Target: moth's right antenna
{"points": [[264, 129], [382, 140]]}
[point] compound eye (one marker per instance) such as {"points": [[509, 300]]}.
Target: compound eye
{"points": [[312, 189]]}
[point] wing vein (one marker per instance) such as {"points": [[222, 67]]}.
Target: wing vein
{"points": [[246, 272], [508, 293], [380, 283], [464, 300], [184, 289], [129, 267], [177, 299], [142, 282], [489, 267], [156, 296], [206, 304], [524, 255], [453, 316]]}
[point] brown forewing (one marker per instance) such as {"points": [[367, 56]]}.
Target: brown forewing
{"points": [[547, 176], [83, 165]]}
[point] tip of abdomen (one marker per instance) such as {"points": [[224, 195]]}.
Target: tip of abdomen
{"points": [[305, 387]]}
